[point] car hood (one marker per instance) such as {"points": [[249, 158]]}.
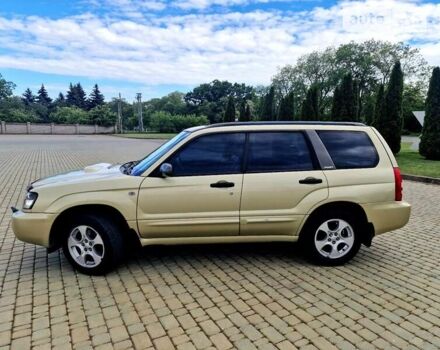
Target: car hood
{"points": [[89, 173]]}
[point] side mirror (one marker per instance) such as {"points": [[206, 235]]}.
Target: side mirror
{"points": [[166, 169]]}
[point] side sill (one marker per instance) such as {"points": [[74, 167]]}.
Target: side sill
{"points": [[212, 240]]}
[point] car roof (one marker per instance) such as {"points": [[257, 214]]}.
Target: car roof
{"points": [[276, 123]]}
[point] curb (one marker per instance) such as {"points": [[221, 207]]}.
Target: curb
{"points": [[424, 179]]}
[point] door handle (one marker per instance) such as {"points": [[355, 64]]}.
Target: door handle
{"points": [[222, 184], [310, 181]]}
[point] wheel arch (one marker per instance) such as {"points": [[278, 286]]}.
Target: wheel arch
{"points": [[344, 206], [108, 211]]}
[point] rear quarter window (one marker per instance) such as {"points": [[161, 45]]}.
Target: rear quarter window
{"points": [[349, 149]]}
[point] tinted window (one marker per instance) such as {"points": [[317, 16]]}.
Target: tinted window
{"points": [[278, 151], [350, 149], [210, 155]]}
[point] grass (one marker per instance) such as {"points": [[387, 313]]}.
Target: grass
{"points": [[412, 163], [150, 135]]}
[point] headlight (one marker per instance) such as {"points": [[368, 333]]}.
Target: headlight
{"points": [[30, 200]]}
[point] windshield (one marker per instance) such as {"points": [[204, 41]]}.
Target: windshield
{"points": [[152, 158]]}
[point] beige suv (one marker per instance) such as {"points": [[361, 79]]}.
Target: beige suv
{"points": [[330, 186]]}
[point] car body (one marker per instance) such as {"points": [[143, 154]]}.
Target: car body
{"points": [[225, 183]]}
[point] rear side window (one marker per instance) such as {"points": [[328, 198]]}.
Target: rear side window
{"points": [[278, 151], [349, 149]]}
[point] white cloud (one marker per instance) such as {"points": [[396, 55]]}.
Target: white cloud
{"points": [[190, 48]]}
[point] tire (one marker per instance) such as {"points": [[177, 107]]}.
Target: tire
{"points": [[332, 238], [93, 244]]}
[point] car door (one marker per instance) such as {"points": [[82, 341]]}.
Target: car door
{"points": [[201, 197], [282, 181]]}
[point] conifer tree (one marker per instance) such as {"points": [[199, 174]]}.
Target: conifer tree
{"points": [[268, 111], [345, 100], [248, 114], [430, 140], [242, 111], [389, 122], [286, 110], [230, 110], [310, 106], [43, 97], [96, 98], [28, 97], [76, 97], [378, 107]]}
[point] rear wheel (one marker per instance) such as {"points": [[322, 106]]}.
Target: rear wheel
{"points": [[93, 244], [332, 238]]}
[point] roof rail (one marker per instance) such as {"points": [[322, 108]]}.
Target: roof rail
{"points": [[284, 123]]}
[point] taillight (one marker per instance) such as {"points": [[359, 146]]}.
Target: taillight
{"points": [[398, 184]]}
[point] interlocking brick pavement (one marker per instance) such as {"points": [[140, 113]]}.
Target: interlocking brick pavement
{"points": [[251, 296]]}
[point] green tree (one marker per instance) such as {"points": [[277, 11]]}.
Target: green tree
{"points": [[345, 101], [165, 122], [389, 122], [60, 101], [310, 105], [76, 97], [102, 115], [413, 100], [6, 88], [96, 98], [337, 104], [128, 113], [211, 99], [69, 115], [268, 110], [247, 114], [242, 111], [43, 97], [286, 110], [370, 64], [13, 109], [378, 106], [230, 110], [28, 97], [430, 140]]}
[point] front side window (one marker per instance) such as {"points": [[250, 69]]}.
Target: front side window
{"points": [[213, 154], [349, 149], [153, 157], [278, 151]]}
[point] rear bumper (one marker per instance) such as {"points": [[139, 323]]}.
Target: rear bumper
{"points": [[33, 227], [387, 216]]}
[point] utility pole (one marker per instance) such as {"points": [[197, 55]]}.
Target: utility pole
{"points": [[120, 114], [140, 121]]}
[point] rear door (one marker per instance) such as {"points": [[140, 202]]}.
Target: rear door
{"points": [[282, 181]]}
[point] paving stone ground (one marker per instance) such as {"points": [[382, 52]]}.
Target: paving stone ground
{"points": [[252, 296]]}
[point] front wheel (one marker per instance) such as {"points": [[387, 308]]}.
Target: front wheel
{"points": [[332, 239], [92, 244]]}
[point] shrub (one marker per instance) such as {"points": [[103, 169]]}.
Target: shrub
{"points": [[69, 115], [102, 115], [12, 109], [165, 122]]}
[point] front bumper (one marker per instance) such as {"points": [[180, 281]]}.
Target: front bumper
{"points": [[32, 227], [387, 216]]}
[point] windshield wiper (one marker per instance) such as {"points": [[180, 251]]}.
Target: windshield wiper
{"points": [[127, 168]]}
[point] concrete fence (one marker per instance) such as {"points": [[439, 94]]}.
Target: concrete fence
{"points": [[55, 129]]}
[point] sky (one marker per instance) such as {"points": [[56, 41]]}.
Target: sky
{"points": [[159, 46]]}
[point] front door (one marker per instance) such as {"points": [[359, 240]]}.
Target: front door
{"points": [[281, 182], [202, 195]]}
